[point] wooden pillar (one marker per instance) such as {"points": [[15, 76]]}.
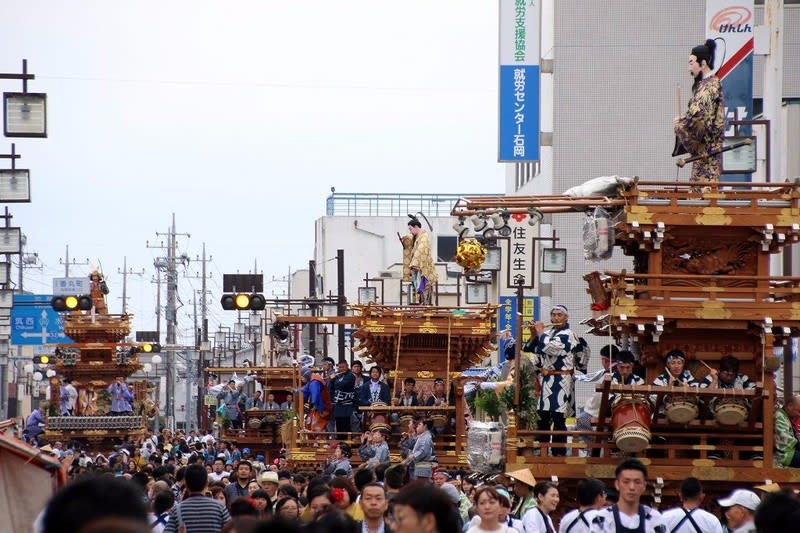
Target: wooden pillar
{"points": [[460, 427], [769, 406]]}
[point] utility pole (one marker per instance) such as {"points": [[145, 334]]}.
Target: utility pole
{"points": [[26, 261], [201, 339], [157, 281], [312, 294], [66, 262], [125, 272], [340, 298], [169, 265], [188, 409]]}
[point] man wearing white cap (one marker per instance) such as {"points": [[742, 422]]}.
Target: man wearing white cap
{"points": [[740, 508], [554, 358]]}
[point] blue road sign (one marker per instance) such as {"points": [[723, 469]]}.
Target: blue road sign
{"points": [[33, 321]]}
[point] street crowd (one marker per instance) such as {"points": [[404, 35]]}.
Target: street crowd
{"points": [[197, 484]]}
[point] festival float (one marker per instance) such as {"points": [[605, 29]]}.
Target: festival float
{"points": [[97, 357], [701, 283]]}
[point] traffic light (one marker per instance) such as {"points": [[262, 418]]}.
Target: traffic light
{"points": [[151, 347], [72, 303], [242, 301], [42, 359]]}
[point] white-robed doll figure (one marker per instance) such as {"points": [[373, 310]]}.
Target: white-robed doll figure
{"points": [[554, 351]]}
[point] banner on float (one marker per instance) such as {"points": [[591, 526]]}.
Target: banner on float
{"points": [[507, 319], [518, 108]]}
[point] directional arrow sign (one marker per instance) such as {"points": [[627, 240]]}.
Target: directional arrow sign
{"points": [[33, 321]]}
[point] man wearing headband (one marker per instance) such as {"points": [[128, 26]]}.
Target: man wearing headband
{"points": [[554, 350], [702, 128], [623, 375], [418, 266], [438, 398], [675, 371], [727, 377]]}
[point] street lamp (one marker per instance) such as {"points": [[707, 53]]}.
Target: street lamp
{"points": [[24, 114], [254, 333], [367, 295], [221, 345]]}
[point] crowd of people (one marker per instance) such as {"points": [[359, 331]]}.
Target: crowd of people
{"points": [[215, 487]]}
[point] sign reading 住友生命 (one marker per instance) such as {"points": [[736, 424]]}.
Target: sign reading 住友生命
{"points": [[518, 127], [33, 321]]}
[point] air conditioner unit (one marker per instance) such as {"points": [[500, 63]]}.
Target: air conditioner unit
{"points": [[388, 274]]}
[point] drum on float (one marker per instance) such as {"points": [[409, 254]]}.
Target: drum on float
{"points": [[439, 422], [630, 419], [377, 417], [731, 411], [405, 420], [681, 409]]}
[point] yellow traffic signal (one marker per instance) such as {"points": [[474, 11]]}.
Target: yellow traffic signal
{"points": [[42, 359], [72, 302], [151, 347], [243, 301]]}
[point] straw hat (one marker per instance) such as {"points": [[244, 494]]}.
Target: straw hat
{"points": [[524, 476], [769, 487]]}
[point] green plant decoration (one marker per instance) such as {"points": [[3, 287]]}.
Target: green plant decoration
{"points": [[487, 402], [527, 413]]}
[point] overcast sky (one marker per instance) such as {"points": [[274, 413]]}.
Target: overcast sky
{"points": [[239, 116]]}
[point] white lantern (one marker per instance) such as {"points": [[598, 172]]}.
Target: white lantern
{"points": [[156, 359], [147, 368], [37, 376], [51, 373]]}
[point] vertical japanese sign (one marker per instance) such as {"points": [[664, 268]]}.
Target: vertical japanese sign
{"points": [[519, 265], [730, 23], [507, 318], [518, 129]]}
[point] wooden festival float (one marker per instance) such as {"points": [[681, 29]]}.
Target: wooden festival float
{"points": [[423, 342], [97, 357], [701, 283], [265, 431]]}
